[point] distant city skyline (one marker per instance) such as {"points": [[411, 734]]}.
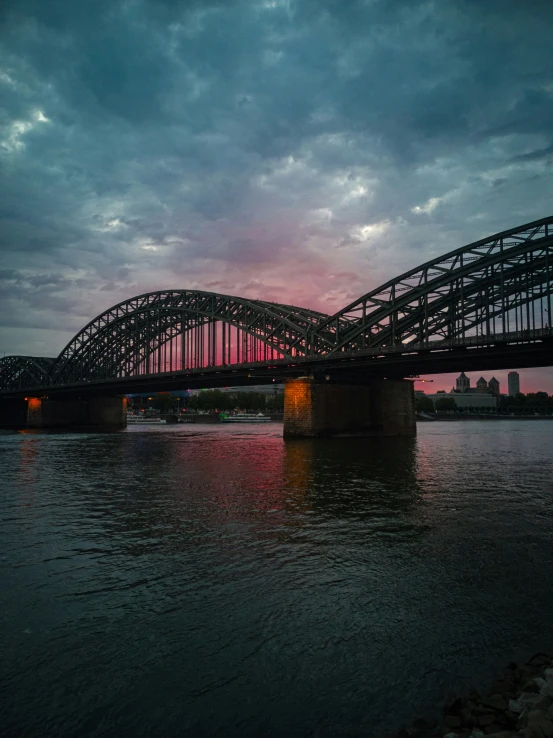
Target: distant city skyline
{"points": [[531, 380], [483, 393]]}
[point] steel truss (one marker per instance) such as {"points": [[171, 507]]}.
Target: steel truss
{"points": [[22, 372], [497, 286], [183, 329]]}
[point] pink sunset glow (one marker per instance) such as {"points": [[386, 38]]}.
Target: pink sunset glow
{"points": [[185, 164]]}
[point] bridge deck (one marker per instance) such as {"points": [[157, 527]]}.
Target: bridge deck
{"points": [[514, 350]]}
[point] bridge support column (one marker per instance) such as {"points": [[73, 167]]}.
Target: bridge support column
{"points": [[381, 407], [13, 413], [38, 412], [107, 412]]}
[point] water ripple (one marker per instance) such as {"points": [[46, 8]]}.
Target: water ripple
{"points": [[174, 581]]}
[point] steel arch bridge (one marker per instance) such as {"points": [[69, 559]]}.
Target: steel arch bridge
{"points": [[499, 287]]}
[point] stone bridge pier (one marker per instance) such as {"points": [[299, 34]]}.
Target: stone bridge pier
{"points": [[318, 408], [46, 412]]}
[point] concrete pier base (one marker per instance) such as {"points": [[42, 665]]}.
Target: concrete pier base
{"points": [[13, 413], [39, 412], [381, 407]]}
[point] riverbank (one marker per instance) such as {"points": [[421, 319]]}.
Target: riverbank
{"points": [[216, 418], [518, 703], [429, 417]]}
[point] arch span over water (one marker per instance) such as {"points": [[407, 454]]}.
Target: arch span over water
{"points": [[498, 285]]}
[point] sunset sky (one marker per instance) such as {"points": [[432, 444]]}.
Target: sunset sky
{"points": [[300, 151]]}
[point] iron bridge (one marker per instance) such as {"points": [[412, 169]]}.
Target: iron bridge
{"points": [[486, 305]]}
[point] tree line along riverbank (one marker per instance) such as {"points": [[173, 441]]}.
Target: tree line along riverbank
{"points": [[212, 401], [533, 403]]}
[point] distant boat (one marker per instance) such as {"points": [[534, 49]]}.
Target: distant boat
{"points": [[423, 416], [245, 418], [143, 419]]}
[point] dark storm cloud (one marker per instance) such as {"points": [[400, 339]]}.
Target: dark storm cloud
{"points": [[303, 150]]}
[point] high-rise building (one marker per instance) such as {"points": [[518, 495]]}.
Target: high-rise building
{"points": [[513, 380], [493, 386]]}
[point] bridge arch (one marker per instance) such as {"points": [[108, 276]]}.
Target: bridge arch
{"points": [[503, 282], [183, 329]]}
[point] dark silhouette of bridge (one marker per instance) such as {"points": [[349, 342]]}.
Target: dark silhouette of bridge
{"points": [[486, 305]]}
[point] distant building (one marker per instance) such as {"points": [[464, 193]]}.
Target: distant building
{"points": [[513, 383], [462, 383], [473, 399], [492, 387], [484, 395]]}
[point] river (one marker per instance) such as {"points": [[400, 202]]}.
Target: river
{"points": [[218, 581]]}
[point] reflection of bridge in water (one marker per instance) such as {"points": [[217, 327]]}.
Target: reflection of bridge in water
{"points": [[484, 306]]}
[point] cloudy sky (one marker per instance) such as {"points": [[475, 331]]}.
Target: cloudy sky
{"points": [[302, 151]]}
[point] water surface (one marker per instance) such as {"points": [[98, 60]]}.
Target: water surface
{"points": [[218, 581]]}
